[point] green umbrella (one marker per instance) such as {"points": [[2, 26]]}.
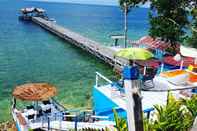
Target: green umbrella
{"points": [[134, 54]]}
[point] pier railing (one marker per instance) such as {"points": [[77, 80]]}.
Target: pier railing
{"points": [[97, 49]]}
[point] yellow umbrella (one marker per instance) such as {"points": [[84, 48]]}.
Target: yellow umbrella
{"points": [[134, 54]]}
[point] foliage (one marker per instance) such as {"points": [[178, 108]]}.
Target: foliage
{"points": [[193, 39], [168, 19], [191, 105], [121, 123], [131, 3], [176, 115], [172, 117]]}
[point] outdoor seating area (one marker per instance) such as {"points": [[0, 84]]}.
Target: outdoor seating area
{"points": [[46, 113]]}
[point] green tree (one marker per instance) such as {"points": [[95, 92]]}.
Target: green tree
{"points": [[168, 19], [193, 39], [121, 123], [131, 3]]}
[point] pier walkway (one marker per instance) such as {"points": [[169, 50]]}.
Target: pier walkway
{"points": [[104, 53]]}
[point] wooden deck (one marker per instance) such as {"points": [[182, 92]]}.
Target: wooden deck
{"points": [[102, 52]]}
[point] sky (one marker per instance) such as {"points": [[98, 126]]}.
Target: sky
{"points": [[97, 2]]}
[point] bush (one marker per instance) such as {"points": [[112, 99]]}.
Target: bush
{"points": [[176, 115]]}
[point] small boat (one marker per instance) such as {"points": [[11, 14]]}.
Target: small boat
{"points": [[45, 113]]}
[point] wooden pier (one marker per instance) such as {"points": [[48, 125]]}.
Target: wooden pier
{"points": [[104, 53]]}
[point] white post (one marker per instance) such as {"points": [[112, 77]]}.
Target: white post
{"points": [[181, 66], [96, 80], [162, 67], [60, 123], [144, 73], [130, 105]]}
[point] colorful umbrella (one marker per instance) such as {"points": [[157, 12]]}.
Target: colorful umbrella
{"points": [[134, 54]]}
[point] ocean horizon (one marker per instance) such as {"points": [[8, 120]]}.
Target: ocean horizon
{"points": [[28, 53]]}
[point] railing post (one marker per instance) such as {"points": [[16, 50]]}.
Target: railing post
{"points": [[76, 120], [48, 119], [96, 80], [60, 120]]}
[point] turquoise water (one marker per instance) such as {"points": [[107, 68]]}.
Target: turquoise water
{"points": [[30, 54]]}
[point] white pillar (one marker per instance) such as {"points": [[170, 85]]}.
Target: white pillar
{"points": [[181, 66], [130, 105]]}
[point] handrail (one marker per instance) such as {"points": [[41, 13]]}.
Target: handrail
{"points": [[61, 107], [98, 75]]}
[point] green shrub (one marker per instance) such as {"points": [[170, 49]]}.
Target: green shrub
{"points": [[176, 115]]}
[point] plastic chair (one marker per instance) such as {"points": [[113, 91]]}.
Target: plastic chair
{"points": [[147, 78]]}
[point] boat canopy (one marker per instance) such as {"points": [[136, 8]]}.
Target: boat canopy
{"points": [[171, 61]]}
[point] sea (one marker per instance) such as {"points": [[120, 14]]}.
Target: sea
{"points": [[29, 54]]}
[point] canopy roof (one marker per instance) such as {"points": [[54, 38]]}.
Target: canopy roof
{"points": [[156, 43], [186, 61], [27, 10], [34, 92]]}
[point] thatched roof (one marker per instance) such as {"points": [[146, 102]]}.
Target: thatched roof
{"points": [[34, 92]]}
